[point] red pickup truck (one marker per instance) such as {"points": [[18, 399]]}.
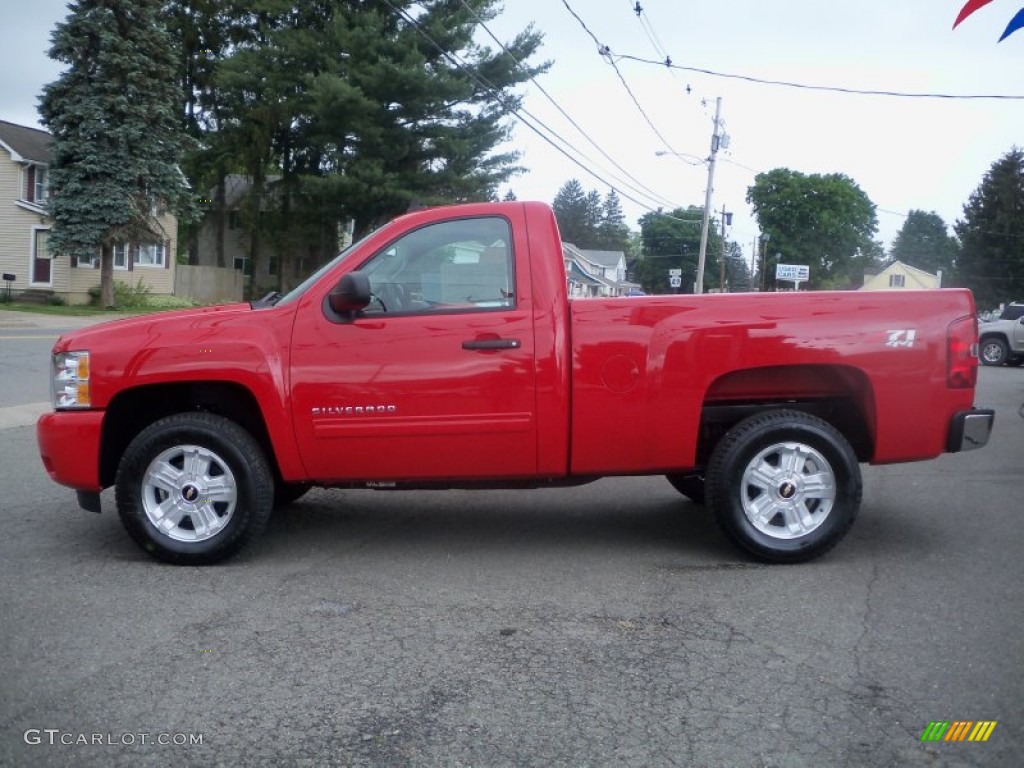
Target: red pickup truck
{"points": [[443, 351]]}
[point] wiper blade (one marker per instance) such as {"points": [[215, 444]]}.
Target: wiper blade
{"points": [[267, 301]]}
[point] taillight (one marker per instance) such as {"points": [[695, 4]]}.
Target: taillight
{"points": [[962, 353]]}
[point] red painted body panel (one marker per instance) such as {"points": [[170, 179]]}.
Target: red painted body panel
{"points": [[594, 386], [644, 367], [69, 445]]}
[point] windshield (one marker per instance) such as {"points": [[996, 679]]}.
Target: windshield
{"points": [[304, 286]]}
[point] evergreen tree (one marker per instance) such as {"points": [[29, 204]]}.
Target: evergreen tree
{"points": [[117, 135], [613, 234], [343, 110], [570, 207], [924, 242], [592, 221], [509, 197], [991, 261]]}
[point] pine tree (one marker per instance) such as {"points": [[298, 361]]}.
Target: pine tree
{"points": [[991, 261], [613, 234], [924, 242], [570, 207], [117, 136]]}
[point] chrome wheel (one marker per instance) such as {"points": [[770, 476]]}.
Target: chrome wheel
{"points": [[189, 493], [784, 485], [788, 490]]}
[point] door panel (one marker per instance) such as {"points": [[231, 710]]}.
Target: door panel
{"points": [[435, 379]]}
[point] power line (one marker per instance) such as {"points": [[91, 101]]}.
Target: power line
{"points": [[826, 88], [513, 109], [641, 188], [606, 53]]}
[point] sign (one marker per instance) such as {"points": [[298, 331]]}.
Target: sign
{"points": [[801, 273], [675, 282], [675, 273]]}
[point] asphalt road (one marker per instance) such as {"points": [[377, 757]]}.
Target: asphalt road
{"points": [[605, 625]]}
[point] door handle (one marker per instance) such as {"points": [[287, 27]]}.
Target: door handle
{"points": [[492, 344]]}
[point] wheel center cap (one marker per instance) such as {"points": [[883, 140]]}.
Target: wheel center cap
{"points": [[787, 490], [190, 493]]}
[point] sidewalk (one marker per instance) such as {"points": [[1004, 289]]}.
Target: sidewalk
{"points": [[12, 318]]}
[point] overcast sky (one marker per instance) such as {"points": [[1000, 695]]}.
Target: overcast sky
{"points": [[905, 153]]}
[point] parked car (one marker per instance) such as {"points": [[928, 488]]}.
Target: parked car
{"points": [[1001, 341]]}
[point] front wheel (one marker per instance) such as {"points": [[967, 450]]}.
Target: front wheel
{"points": [[194, 488], [785, 486], [993, 351]]}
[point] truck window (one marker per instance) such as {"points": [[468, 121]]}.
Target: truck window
{"points": [[452, 265]]}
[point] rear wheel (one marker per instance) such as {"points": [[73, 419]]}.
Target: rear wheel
{"points": [[784, 486], [993, 351], [194, 488]]}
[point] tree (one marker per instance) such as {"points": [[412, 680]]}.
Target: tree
{"points": [[991, 261], [343, 110], [570, 207], [672, 241], [117, 136], [612, 232], [823, 221], [924, 242]]}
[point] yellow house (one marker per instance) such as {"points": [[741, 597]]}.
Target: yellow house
{"points": [[899, 276], [25, 227]]}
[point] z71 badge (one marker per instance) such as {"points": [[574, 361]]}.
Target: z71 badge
{"points": [[902, 338]]}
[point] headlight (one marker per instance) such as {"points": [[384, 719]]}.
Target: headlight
{"points": [[69, 385]]}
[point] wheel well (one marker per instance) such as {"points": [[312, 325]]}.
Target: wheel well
{"points": [[135, 409], [840, 395], [994, 335]]}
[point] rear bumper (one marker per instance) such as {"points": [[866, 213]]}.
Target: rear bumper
{"points": [[970, 429], [69, 445]]}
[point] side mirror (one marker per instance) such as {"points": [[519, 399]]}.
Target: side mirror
{"points": [[351, 294]]}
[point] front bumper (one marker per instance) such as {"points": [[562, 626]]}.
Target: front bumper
{"points": [[69, 445], [970, 429]]}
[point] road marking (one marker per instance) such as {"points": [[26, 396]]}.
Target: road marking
{"points": [[22, 415]]}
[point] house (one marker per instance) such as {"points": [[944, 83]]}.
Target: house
{"points": [[596, 273], [25, 227], [898, 276], [225, 238]]}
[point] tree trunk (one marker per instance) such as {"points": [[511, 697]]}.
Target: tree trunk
{"points": [[107, 300]]}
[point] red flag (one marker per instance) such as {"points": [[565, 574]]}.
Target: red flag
{"points": [[970, 7]]}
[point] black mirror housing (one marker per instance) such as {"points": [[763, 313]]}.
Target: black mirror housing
{"points": [[351, 294]]}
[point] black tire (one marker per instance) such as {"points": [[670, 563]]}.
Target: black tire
{"points": [[691, 486], [1017, 360], [204, 479], [993, 351], [765, 463], [288, 493]]}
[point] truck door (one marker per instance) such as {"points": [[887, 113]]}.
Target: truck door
{"points": [[436, 377]]}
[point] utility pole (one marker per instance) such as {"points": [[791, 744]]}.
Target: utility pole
{"points": [[715, 140]]}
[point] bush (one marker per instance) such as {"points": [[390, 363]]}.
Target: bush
{"points": [[57, 301]]}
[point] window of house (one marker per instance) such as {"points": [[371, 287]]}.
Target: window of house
{"points": [[150, 255], [121, 256], [241, 263], [897, 281], [452, 265], [40, 191]]}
